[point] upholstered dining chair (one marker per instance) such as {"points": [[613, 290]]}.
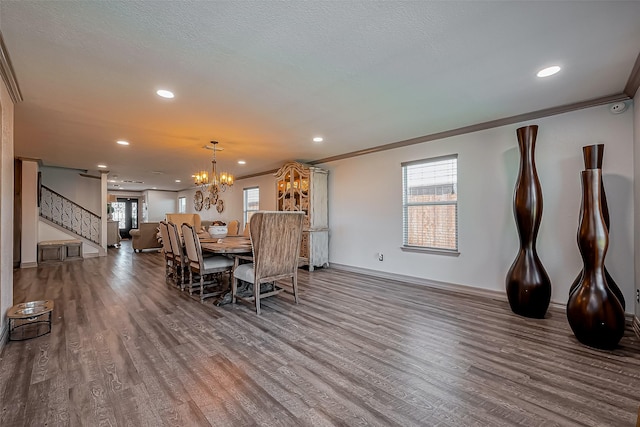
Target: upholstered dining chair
{"points": [[233, 227], [179, 257], [166, 248], [275, 242], [196, 263]]}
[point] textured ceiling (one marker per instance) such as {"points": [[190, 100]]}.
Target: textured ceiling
{"points": [[263, 78]]}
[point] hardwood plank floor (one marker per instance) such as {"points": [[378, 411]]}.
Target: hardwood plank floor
{"points": [[128, 349]]}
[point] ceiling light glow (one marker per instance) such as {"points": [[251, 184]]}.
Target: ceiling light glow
{"points": [[165, 93], [318, 139], [549, 71], [177, 180], [102, 166], [242, 162], [122, 142]]}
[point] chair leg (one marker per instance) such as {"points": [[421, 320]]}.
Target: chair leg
{"points": [[256, 296], [190, 279], [201, 287], [295, 288], [234, 288]]}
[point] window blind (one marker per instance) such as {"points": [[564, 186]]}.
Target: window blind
{"points": [[430, 203]]}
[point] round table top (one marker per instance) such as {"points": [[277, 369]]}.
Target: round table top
{"points": [[30, 309]]}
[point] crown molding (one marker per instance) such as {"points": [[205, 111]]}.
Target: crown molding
{"points": [[8, 75], [634, 80], [480, 126]]}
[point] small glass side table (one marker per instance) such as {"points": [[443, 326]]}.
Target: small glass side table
{"points": [[30, 319]]}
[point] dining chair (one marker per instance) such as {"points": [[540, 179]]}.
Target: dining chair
{"points": [[196, 263], [233, 227], [179, 257], [166, 249], [275, 242]]}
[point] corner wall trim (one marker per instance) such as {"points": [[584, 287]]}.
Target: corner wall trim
{"points": [[634, 80], [8, 75]]}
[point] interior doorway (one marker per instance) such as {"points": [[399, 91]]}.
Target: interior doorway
{"points": [[126, 213]]}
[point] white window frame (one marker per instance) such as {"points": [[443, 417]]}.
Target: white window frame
{"points": [[246, 210], [444, 180], [182, 204]]}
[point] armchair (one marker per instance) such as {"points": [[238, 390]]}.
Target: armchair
{"points": [[145, 237]]}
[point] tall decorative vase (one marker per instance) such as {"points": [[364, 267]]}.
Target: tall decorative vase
{"points": [[593, 160], [594, 312], [528, 284]]}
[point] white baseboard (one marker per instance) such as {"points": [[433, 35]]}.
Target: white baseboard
{"points": [[463, 289], [28, 264]]}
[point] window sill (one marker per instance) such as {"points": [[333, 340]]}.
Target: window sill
{"points": [[430, 250]]}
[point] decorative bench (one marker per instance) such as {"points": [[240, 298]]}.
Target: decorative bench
{"points": [[59, 250]]}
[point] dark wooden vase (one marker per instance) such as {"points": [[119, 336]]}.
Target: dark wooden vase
{"points": [[528, 285], [593, 160], [594, 312]]}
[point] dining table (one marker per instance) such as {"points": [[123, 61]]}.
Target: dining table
{"points": [[230, 246]]}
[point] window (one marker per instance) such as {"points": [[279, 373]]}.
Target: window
{"points": [[430, 203], [182, 205], [251, 202]]}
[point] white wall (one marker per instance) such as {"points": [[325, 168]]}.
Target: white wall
{"points": [[365, 203], [160, 203], [30, 214], [6, 204], [80, 190]]}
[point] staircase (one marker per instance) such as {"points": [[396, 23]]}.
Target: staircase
{"points": [[69, 216]]}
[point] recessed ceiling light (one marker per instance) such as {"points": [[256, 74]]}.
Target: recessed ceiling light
{"points": [[318, 139], [549, 71], [102, 166], [242, 162], [122, 142], [165, 93], [154, 188], [177, 180]]}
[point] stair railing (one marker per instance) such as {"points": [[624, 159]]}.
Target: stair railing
{"points": [[69, 215]]}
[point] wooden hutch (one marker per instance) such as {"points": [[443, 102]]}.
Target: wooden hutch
{"points": [[301, 187]]}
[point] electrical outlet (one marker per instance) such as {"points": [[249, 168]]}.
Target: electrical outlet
{"points": [[638, 295], [380, 256]]}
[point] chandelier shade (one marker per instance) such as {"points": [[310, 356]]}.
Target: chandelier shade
{"points": [[213, 181]]}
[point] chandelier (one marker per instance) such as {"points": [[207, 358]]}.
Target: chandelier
{"points": [[213, 182]]}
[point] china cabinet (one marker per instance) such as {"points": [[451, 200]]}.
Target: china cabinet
{"points": [[301, 187]]}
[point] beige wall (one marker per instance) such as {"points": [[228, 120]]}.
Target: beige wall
{"points": [[6, 205]]}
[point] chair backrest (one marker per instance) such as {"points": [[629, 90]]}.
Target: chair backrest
{"points": [[166, 240], [176, 242], [245, 232], [233, 227], [192, 246], [180, 218], [275, 237]]}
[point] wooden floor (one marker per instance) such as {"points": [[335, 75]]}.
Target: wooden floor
{"points": [[129, 350]]}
